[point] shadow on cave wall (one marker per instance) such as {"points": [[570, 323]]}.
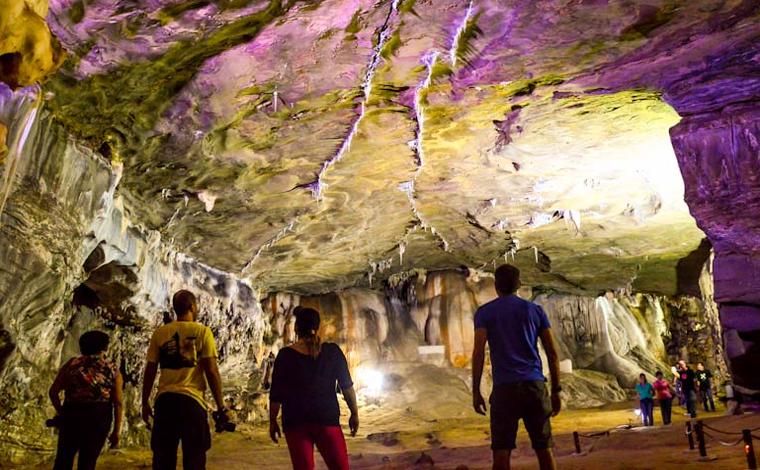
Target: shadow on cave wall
{"points": [[107, 288], [689, 269]]}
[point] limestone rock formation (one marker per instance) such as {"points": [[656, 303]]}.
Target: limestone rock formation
{"points": [[28, 51], [376, 160], [604, 342], [447, 133], [74, 261]]}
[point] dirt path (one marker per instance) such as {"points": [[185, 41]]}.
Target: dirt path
{"points": [[451, 443]]}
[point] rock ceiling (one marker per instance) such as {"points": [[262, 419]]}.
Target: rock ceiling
{"points": [[313, 145]]}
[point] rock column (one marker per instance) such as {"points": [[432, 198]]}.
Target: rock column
{"points": [[719, 155]]}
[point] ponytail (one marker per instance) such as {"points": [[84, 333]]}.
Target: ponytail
{"points": [[313, 343]]}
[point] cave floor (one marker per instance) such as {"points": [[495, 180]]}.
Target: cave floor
{"points": [[452, 442]]}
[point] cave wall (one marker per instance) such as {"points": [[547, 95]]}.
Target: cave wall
{"points": [[71, 261], [74, 260], [618, 335], [718, 150]]}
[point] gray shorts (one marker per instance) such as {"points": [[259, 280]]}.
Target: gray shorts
{"points": [[528, 401]]}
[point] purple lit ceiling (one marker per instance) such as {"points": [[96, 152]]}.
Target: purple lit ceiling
{"points": [[312, 145]]}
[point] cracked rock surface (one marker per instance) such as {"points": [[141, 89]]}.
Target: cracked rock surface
{"points": [[376, 160], [340, 138]]}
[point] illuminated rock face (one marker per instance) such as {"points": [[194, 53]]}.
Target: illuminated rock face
{"points": [[331, 148], [719, 156], [28, 52], [617, 335], [73, 261], [314, 147]]}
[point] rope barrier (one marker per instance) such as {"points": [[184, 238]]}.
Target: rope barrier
{"points": [[723, 443], [595, 435], [702, 434], [729, 433]]}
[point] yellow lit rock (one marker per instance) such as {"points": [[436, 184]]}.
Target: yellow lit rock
{"points": [[28, 52], [3, 147]]}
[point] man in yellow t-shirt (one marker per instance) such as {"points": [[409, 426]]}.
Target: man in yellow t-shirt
{"points": [[186, 353]]}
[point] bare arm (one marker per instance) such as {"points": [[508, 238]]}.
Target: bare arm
{"points": [[478, 360], [547, 341], [149, 377], [274, 428], [118, 409], [55, 391], [211, 370], [349, 394]]}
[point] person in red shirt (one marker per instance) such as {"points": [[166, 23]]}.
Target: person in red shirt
{"points": [[664, 396], [92, 387]]}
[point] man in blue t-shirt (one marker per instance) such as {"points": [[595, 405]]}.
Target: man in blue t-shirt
{"points": [[512, 326]]}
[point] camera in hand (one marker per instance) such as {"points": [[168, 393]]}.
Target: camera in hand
{"points": [[222, 422], [54, 422]]}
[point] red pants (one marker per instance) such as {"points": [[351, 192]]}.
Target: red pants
{"points": [[329, 441]]}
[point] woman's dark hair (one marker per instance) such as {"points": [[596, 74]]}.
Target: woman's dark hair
{"points": [[307, 327], [658, 373], [93, 342]]}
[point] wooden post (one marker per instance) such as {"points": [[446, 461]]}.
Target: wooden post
{"points": [[749, 450], [577, 440], [689, 435], [701, 439]]}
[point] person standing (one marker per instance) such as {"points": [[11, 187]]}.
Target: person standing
{"points": [[646, 400], [304, 382], [677, 385], [512, 327], [687, 379], [186, 353], [92, 388], [704, 380], [664, 396]]}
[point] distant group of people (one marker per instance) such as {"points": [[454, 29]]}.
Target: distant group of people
{"points": [[306, 377], [688, 386]]}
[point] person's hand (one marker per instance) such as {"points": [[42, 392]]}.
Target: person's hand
{"points": [[113, 439], [478, 403], [556, 403], [353, 424], [274, 431], [147, 415]]}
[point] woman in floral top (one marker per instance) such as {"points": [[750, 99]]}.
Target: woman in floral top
{"points": [[92, 387]]}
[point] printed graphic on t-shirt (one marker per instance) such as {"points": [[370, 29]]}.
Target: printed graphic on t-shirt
{"points": [[178, 352]]}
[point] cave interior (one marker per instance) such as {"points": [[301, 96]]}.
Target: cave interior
{"points": [[377, 160]]}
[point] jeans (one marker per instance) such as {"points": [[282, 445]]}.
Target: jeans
{"points": [[666, 406], [691, 403], [179, 418], [647, 411], [707, 398], [84, 428]]}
